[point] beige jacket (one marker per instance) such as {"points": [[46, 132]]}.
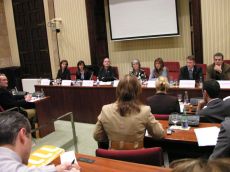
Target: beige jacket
{"points": [[130, 128]]}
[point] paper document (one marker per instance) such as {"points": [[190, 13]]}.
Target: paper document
{"points": [[207, 136]]}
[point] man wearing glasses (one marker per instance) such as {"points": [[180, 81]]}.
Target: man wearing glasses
{"points": [[218, 70]]}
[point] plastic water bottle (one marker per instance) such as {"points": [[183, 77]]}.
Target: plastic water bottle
{"points": [[201, 82], [97, 81], [184, 120], [186, 100]]}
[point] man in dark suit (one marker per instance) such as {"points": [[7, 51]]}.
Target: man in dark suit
{"points": [[222, 148], [191, 71], [7, 100], [212, 108]]}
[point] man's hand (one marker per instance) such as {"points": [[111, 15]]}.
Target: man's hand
{"points": [[201, 104], [218, 68], [28, 97]]}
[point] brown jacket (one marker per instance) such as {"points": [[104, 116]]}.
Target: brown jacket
{"points": [[130, 128], [212, 74]]}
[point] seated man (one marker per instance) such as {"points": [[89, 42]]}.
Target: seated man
{"points": [[15, 146], [190, 71], [212, 108], [218, 70], [7, 100], [222, 148], [106, 72]]}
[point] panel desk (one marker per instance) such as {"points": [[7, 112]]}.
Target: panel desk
{"points": [[181, 143], [109, 165], [86, 102]]}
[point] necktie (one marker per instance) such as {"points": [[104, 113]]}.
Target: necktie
{"points": [[190, 74]]}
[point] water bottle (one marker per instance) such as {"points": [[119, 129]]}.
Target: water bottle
{"points": [[186, 100], [201, 82], [97, 81], [184, 120]]}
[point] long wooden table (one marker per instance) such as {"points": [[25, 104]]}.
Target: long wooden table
{"points": [[86, 102], [109, 165], [181, 143]]}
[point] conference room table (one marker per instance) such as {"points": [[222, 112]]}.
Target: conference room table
{"points": [[86, 102], [181, 143], [109, 165]]}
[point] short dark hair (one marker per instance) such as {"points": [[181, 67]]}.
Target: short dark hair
{"points": [[212, 87], [10, 124], [219, 54], [191, 58]]}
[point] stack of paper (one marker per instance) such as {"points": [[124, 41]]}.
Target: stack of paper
{"points": [[207, 136]]}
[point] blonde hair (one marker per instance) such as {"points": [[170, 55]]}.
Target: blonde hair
{"points": [[162, 83], [128, 92]]}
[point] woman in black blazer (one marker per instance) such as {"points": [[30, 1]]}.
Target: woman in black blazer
{"points": [[161, 102], [63, 72], [82, 72]]}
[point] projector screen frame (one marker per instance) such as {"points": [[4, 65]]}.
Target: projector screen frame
{"points": [[147, 36]]}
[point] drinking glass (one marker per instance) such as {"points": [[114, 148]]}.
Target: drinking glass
{"points": [[175, 118]]}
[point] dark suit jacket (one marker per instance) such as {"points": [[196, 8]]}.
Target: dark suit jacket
{"points": [[162, 103], [7, 100], [184, 74], [63, 75], [87, 75], [212, 74], [215, 112], [106, 75], [222, 148]]}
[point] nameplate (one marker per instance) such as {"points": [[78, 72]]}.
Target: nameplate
{"points": [[151, 84], [115, 83], [87, 83], [224, 84], [66, 82], [45, 82], [105, 83], [187, 84]]}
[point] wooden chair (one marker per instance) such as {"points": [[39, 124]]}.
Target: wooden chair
{"points": [[150, 156], [173, 69], [73, 71], [147, 71], [116, 72], [204, 69]]}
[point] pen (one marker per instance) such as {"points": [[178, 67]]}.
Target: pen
{"points": [[73, 161]]}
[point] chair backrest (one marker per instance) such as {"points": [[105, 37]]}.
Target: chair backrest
{"points": [[161, 116], [73, 71], [173, 69], [147, 71], [150, 156], [227, 61], [204, 69], [116, 72]]}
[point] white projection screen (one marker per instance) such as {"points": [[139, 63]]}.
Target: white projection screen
{"points": [[140, 19]]}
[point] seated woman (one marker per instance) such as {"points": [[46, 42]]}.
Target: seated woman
{"points": [[137, 71], [63, 72], [159, 69], [106, 72], [82, 72], [161, 102], [123, 123]]}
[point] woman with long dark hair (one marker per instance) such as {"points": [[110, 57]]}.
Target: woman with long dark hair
{"points": [[123, 123], [63, 72], [82, 72], [159, 69]]}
